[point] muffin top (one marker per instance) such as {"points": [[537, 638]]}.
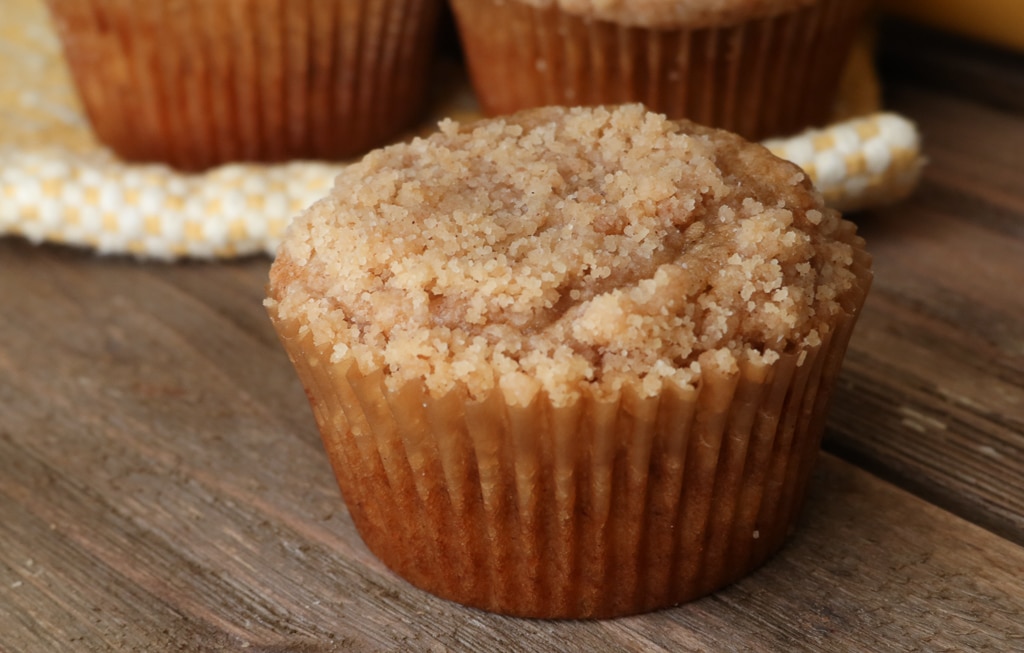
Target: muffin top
{"points": [[673, 13], [567, 251]]}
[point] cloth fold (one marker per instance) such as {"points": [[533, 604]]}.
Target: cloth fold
{"points": [[152, 211]]}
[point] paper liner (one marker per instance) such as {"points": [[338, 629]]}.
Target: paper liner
{"points": [[594, 509], [766, 77], [195, 83]]}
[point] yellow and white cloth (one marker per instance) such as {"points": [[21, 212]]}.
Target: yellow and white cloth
{"points": [[151, 211], [860, 163], [58, 185]]}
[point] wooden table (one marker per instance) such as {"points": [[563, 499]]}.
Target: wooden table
{"points": [[163, 487]]}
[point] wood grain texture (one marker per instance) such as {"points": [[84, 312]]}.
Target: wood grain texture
{"points": [[162, 487], [977, 70], [932, 396]]}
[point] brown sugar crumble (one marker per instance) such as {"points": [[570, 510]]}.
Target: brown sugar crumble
{"points": [[566, 250], [673, 13]]}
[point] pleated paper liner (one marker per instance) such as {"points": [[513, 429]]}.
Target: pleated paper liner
{"points": [[595, 509], [195, 83], [766, 77]]}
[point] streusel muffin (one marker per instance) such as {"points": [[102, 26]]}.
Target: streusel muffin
{"points": [[756, 67], [196, 84], [570, 363]]}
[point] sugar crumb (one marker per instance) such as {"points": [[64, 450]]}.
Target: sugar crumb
{"points": [[561, 249]]}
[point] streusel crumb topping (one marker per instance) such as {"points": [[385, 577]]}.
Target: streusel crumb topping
{"points": [[668, 14], [561, 249]]}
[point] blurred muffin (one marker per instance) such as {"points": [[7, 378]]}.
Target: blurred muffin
{"points": [[195, 84], [572, 363], [756, 67]]}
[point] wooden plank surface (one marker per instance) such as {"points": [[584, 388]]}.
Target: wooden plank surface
{"points": [[162, 485], [933, 389]]}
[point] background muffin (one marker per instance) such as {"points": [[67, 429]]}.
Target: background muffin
{"points": [[574, 363], [757, 67], [195, 84]]}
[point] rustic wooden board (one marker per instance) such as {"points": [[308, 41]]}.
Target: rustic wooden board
{"points": [[162, 486], [933, 391]]}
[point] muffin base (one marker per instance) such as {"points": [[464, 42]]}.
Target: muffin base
{"points": [[595, 509], [197, 83], [767, 77]]}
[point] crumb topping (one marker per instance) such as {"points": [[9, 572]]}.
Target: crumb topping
{"points": [[673, 13], [558, 249]]}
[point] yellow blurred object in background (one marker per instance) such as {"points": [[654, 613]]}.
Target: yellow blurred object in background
{"points": [[1000, 22]]}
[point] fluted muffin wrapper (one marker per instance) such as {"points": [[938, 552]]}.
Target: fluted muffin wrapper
{"points": [[598, 508], [765, 77], [195, 83]]}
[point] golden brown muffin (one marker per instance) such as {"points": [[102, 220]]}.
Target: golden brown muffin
{"points": [[195, 84], [756, 67], [572, 363]]}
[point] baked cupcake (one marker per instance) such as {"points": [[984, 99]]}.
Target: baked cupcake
{"points": [[572, 363], [756, 67], [195, 84]]}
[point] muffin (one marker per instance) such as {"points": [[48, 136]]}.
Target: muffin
{"points": [[756, 67], [571, 363], [195, 84]]}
